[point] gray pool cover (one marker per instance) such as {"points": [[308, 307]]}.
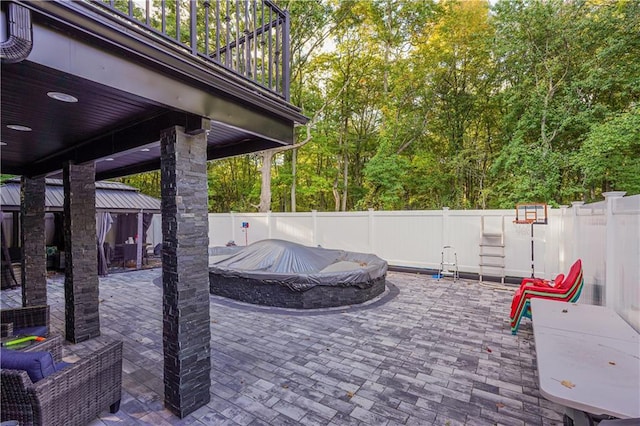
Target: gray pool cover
{"points": [[296, 266]]}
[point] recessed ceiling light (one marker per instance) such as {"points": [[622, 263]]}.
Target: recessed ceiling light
{"points": [[19, 127], [59, 96], [145, 150], [108, 159]]}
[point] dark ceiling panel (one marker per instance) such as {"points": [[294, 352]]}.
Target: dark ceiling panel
{"points": [[58, 125]]}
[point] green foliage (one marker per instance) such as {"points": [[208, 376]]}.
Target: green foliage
{"points": [[610, 155], [148, 183], [383, 180], [234, 184]]}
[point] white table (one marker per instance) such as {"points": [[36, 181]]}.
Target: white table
{"points": [[594, 349]]}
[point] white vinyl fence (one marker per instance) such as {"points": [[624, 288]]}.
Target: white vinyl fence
{"points": [[605, 235]]}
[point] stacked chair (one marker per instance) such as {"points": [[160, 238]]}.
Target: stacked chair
{"points": [[564, 288]]}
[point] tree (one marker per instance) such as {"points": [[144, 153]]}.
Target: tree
{"points": [[610, 155]]}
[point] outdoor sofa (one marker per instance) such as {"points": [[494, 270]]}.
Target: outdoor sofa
{"points": [[73, 394], [31, 320]]}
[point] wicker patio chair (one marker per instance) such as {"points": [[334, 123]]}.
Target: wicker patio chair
{"points": [[33, 320], [74, 395]]}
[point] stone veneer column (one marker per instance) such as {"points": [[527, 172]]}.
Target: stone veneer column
{"points": [[82, 319], [185, 278], [32, 236]]}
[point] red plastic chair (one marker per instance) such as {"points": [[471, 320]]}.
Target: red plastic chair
{"points": [[565, 289]]}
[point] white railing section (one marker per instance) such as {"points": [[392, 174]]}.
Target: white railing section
{"points": [[605, 235]]}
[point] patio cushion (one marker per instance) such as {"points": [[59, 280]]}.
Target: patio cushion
{"points": [[38, 365]]}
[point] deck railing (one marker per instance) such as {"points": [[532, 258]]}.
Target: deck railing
{"points": [[248, 37]]}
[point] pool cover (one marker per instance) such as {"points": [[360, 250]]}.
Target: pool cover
{"points": [[296, 266]]}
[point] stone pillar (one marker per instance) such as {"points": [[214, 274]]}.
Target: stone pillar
{"points": [[185, 277], [82, 319], [32, 236]]}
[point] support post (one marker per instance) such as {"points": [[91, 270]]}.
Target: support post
{"points": [[139, 241], [532, 252], [32, 235], [185, 277], [82, 318]]}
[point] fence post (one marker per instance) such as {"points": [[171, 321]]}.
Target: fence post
{"points": [[575, 206], [233, 226], [445, 227], [612, 290], [561, 241], [314, 237], [371, 232], [269, 232]]}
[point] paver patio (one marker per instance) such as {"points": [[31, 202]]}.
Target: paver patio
{"points": [[426, 352]]}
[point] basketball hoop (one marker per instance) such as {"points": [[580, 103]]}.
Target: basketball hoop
{"points": [[530, 214], [524, 222]]}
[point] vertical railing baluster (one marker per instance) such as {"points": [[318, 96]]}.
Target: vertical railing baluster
{"points": [[278, 53], [237, 40], [164, 18], [193, 27], [206, 27], [247, 44], [178, 22], [262, 45], [147, 5], [255, 41], [286, 57], [218, 30], [227, 51], [130, 8], [270, 50]]}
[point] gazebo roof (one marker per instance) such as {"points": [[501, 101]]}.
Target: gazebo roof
{"points": [[110, 196]]}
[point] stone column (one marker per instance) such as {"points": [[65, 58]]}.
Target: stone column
{"points": [[185, 277], [32, 236], [82, 319]]}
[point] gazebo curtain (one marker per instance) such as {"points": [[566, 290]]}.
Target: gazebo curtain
{"points": [[103, 224], [7, 269], [128, 226]]}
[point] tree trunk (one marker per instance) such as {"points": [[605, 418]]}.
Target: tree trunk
{"points": [[336, 195], [345, 181], [265, 190], [294, 160]]}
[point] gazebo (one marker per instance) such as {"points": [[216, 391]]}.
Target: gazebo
{"points": [[122, 213]]}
